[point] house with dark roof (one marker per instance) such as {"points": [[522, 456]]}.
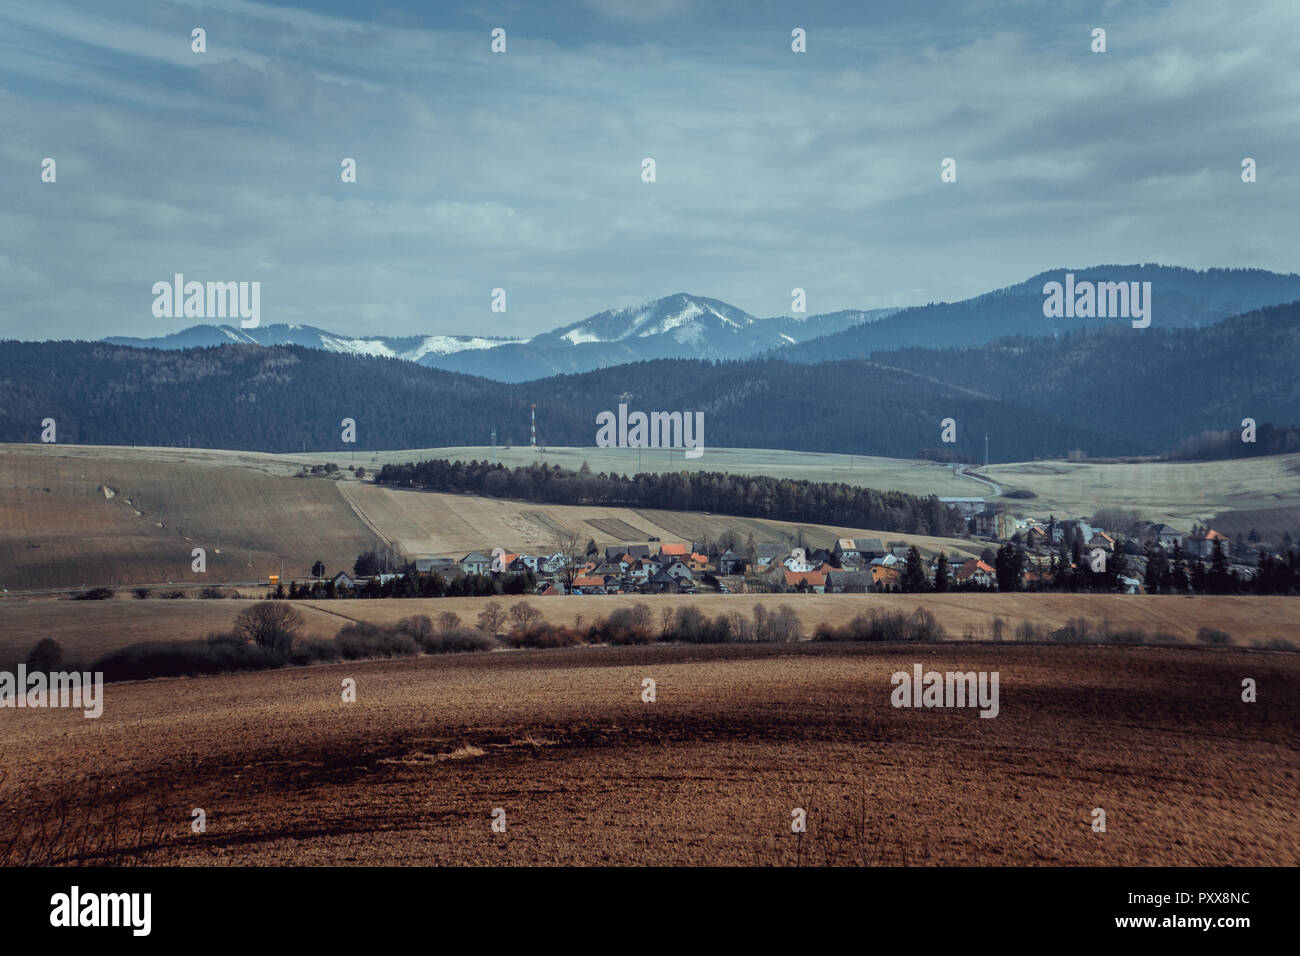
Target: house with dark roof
{"points": [[847, 582], [858, 550], [767, 553], [663, 582], [443, 566], [731, 563], [678, 570], [1165, 536]]}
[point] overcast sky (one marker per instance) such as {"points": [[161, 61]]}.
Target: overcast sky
{"points": [[522, 170]]}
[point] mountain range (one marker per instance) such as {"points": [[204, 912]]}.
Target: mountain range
{"points": [[691, 326], [676, 326], [1109, 390]]}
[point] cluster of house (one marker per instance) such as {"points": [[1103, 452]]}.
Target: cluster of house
{"points": [[997, 525], [858, 565]]}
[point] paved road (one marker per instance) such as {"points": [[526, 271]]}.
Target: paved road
{"points": [[963, 473]]}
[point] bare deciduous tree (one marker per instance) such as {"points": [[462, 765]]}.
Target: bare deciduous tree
{"points": [[566, 543], [491, 618], [270, 624], [524, 616]]}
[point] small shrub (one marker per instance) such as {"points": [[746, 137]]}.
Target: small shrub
{"points": [[218, 654], [418, 627], [548, 635], [1208, 635], [313, 650], [173, 595], [1076, 631], [1029, 632], [1129, 636], [458, 640], [924, 627], [46, 656], [142, 593], [94, 594], [363, 639]]}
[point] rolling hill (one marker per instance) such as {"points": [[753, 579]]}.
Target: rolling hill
{"points": [[1109, 391], [1182, 298]]}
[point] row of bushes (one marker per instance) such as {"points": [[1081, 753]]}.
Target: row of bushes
{"points": [[1080, 630], [882, 625], [267, 635], [221, 653], [638, 625]]}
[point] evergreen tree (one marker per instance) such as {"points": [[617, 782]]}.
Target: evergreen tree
{"points": [[1221, 581], [914, 579], [1181, 584], [941, 573], [1151, 579], [1009, 565]]}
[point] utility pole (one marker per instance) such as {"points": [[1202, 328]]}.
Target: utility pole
{"points": [[532, 427], [986, 449], [494, 446]]}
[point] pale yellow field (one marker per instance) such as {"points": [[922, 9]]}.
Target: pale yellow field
{"points": [[255, 520], [79, 520], [887, 474], [429, 524], [1174, 492]]}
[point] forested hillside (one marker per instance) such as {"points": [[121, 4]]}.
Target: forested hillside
{"points": [[1109, 391]]}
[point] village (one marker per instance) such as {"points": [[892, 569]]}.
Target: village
{"points": [[1016, 553]]}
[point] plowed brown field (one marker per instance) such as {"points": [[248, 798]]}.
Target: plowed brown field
{"points": [[739, 736]]}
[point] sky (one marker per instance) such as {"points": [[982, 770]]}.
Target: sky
{"points": [[522, 170]]}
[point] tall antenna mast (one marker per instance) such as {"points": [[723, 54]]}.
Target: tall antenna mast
{"points": [[532, 429], [986, 449]]}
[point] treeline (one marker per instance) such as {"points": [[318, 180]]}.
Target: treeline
{"points": [[1035, 397], [751, 496], [1270, 439], [1157, 387], [409, 584]]}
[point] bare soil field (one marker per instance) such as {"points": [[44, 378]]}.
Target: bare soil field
{"points": [[586, 772], [87, 629]]}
